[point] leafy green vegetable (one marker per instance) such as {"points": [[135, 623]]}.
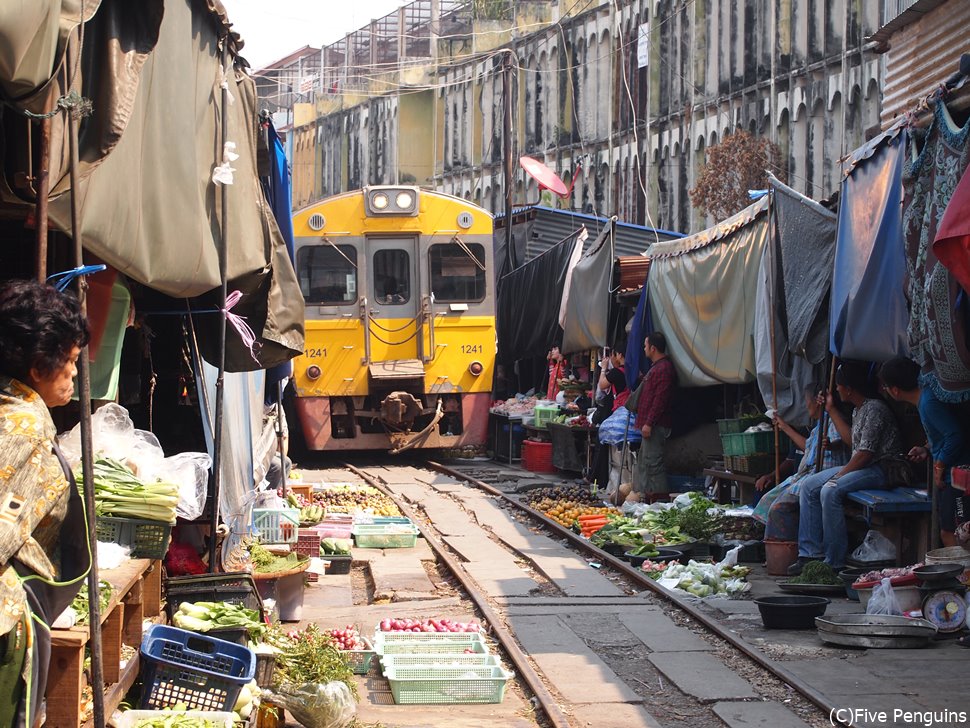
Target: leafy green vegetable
{"points": [[205, 616], [308, 656], [817, 572], [120, 493], [81, 605]]}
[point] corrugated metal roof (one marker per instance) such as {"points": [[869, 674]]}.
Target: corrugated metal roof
{"points": [[923, 54], [547, 227]]}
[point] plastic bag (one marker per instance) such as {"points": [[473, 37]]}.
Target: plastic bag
{"points": [[113, 435], [883, 600], [190, 470], [875, 547], [316, 705]]}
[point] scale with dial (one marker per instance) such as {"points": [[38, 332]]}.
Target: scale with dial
{"points": [[944, 597]]}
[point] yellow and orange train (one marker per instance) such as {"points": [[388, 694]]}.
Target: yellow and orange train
{"points": [[400, 320]]}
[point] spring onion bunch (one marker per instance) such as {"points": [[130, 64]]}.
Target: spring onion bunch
{"points": [[204, 616], [118, 492]]}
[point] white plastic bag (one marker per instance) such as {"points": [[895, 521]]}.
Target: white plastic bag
{"points": [[113, 435], [883, 600], [190, 471], [875, 547], [317, 705]]}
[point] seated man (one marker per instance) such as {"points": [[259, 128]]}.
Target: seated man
{"points": [[875, 438], [944, 434], [778, 508]]}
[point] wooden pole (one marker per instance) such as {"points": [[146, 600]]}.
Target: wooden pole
{"points": [[771, 338], [42, 187], [87, 450], [507, 159], [823, 426]]}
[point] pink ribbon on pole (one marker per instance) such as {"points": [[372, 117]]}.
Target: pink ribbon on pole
{"points": [[239, 324]]}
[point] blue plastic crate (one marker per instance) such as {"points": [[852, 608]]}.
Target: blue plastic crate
{"points": [[199, 671]]}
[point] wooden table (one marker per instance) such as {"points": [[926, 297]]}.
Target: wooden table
{"points": [[725, 480], [136, 594]]}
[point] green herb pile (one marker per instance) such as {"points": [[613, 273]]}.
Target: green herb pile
{"points": [[266, 562], [81, 606], [308, 656], [817, 572], [118, 492]]}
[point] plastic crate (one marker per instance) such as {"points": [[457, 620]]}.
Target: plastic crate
{"points": [[277, 525], [339, 563], [308, 544], [749, 464], [429, 643], [739, 424], [447, 685], [537, 457], [147, 539], [360, 660], [386, 536], [130, 718], [544, 415], [482, 659], [195, 670], [265, 667], [232, 587], [753, 443]]}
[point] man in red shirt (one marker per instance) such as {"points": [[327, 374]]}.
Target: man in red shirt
{"points": [[654, 416]]}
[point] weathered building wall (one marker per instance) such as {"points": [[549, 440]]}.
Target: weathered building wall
{"points": [[632, 140]]}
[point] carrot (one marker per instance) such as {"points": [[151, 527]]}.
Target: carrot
{"points": [[593, 517]]}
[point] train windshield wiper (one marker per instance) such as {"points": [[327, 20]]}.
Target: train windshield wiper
{"points": [[461, 244]]}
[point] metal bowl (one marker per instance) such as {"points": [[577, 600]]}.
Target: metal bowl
{"points": [[876, 625], [938, 572]]}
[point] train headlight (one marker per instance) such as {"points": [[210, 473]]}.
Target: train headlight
{"points": [[476, 368], [391, 200], [313, 372]]}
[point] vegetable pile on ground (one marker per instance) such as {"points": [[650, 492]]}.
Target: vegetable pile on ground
{"points": [[119, 493], [266, 562], [205, 616], [175, 719], [81, 606], [566, 513], [817, 572], [355, 499], [427, 625], [699, 520], [551, 494], [635, 534], [653, 569], [308, 656], [738, 528], [706, 580]]}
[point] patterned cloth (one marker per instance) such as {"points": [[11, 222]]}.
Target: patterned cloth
{"points": [[874, 430], [937, 329], [653, 407]]}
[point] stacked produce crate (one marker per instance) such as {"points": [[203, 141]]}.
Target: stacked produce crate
{"points": [[749, 451]]}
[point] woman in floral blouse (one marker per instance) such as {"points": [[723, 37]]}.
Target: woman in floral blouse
{"points": [[44, 552]]}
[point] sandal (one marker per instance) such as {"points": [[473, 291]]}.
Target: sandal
{"points": [[964, 641]]}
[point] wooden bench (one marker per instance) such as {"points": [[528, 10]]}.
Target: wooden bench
{"points": [[896, 511]]}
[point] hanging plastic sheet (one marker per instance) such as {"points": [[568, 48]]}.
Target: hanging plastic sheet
{"points": [[703, 291], [588, 305], [952, 244], [641, 327], [868, 314], [805, 235], [528, 304], [939, 309]]}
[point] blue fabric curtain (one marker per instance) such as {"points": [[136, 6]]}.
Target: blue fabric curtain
{"points": [[642, 326], [869, 315]]}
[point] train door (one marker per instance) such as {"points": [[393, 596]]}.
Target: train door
{"points": [[394, 297]]}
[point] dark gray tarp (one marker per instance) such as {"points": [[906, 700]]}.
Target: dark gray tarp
{"points": [[806, 234], [528, 304], [588, 303], [868, 315], [150, 209]]}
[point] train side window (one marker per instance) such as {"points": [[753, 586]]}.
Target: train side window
{"points": [[457, 276], [328, 274], [392, 276]]}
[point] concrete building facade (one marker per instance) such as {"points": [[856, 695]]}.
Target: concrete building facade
{"points": [[622, 98]]}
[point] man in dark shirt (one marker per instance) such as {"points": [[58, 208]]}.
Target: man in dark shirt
{"points": [[944, 434], [654, 416]]}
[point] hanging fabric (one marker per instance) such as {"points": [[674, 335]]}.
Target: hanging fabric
{"points": [[637, 364], [938, 306], [868, 313], [588, 306]]}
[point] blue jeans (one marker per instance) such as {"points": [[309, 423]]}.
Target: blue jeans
{"points": [[821, 525]]}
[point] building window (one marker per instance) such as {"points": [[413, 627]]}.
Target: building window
{"points": [[457, 274], [392, 276], [328, 274]]}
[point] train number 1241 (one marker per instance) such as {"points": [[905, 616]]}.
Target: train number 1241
{"points": [[315, 353], [471, 348]]}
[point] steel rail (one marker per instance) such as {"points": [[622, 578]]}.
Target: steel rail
{"points": [[547, 702], [639, 577]]}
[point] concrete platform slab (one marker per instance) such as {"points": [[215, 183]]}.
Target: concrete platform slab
{"points": [[448, 517], [476, 546], [659, 633], [701, 675], [562, 657], [758, 715], [613, 715], [501, 582]]}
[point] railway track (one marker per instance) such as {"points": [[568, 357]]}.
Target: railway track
{"points": [[626, 683]]}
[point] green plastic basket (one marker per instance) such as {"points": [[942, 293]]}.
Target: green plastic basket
{"points": [[359, 660], [753, 443], [447, 685], [147, 539], [429, 643], [441, 660], [386, 536]]}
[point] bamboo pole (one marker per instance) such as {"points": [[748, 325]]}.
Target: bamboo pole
{"points": [[220, 379], [823, 427], [771, 338], [42, 187]]}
